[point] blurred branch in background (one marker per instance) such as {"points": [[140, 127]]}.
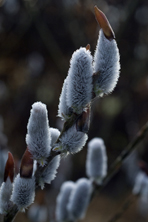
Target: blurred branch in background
{"points": [[47, 37], [126, 152], [123, 209]]}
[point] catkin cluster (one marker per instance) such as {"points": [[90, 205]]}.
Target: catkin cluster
{"points": [[88, 77], [74, 198]]}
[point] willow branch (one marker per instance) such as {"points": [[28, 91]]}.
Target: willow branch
{"points": [[131, 146], [10, 216], [123, 209], [119, 161]]}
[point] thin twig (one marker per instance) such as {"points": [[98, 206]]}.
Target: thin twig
{"points": [[124, 208], [119, 161], [10, 216], [131, 146]]}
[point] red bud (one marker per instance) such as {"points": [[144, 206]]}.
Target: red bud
{"points": [[9, 168], [26, 168], [88, 47], [83, 121], [104, 24]]}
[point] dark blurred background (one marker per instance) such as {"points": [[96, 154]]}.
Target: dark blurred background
{"points": [[37, 39]]}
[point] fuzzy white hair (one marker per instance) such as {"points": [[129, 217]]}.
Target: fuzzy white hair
{"points": [[62, 201], [96, 162], [106, 64], [79, 81], [5, 193], [38, 138], [23, 192], [79, 199]]}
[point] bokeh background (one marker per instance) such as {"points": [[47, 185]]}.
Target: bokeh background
{"points": [[37, 39]]}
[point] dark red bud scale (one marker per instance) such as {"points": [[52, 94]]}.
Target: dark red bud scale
{"points": [[9, 168], [104, 24], [88, 47], [143, 166], [26, 167], [83, 121]]}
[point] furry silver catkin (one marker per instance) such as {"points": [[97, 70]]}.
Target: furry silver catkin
{"points": [[55, 133], [5, 193], [50, 172], [141, 188], [106, 64], [23, 192], [63, 109], [79, 199], [72, 141], [38, 138], [141, 181], [62, 213], [79, 81], [96, 163]]}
